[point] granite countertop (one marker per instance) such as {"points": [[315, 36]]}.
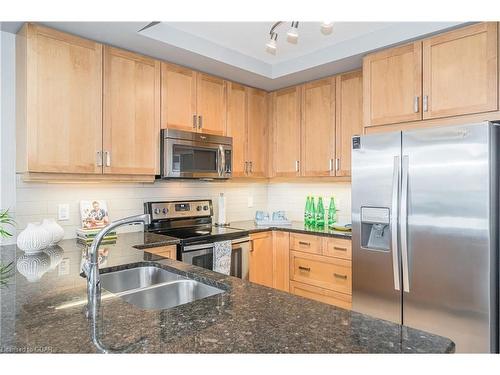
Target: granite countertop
{"points": [[297, 227], [44, 312]]}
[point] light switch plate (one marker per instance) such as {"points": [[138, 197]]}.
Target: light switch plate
{"points": [[250, 201], [63, 211]]}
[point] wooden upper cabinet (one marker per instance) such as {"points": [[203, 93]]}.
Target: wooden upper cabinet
{"points": [[178, 98], [392, 84], [131, 113], [59, 107], [349, 118], [286, 137], [237, 126], [318, 128], [258, 134], [211, 104], [461, 72]]}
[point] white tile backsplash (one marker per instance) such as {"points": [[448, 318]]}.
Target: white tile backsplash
{"points": [[35, 201]]}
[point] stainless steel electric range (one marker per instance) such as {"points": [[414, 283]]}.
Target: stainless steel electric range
{"points": [[191, 222]]}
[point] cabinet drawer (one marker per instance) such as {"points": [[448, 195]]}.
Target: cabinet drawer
{"points": [[164, 251], [321, 295], [305, 242], [325, 272], [337, 247]]}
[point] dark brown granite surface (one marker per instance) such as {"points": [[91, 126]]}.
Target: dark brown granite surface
{"points": [[45, 313], [296, 227]]}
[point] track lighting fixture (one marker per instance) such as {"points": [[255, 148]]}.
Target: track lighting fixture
{"points": [[292, 35]]}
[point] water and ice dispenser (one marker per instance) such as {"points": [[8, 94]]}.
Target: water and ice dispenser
{"points": [[375, 228]]}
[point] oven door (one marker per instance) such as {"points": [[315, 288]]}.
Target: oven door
{"points": [[201, 255], [192, 159]]}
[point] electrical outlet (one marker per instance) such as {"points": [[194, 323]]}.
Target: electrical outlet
{"points": [[250, 201], [63, 211]]}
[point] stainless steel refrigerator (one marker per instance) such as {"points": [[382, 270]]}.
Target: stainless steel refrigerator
{"points": [[425, 231]]}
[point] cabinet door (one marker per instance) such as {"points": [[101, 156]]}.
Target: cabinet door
{"points": [[261, 259], [349, 115], [318, 128], [237, 126], [286, 113], [258, 134], [178, 97], [460, 71], [392, 84], [62, 90], [281, 260], [131, 126], [211, 104]]}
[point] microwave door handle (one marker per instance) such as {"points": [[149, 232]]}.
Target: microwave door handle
{"points": [[403, 221], [221, 161], [394, 224]]}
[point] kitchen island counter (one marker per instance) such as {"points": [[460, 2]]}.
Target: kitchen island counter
{"points": [[44, 312]]}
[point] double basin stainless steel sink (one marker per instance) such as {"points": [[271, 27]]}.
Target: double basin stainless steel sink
{"points": [[154, 288]]}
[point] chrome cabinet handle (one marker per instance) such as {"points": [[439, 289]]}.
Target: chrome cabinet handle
{"points": [[338, 275], [425, 103], [194, 121], [246, 167], [107, 157], [304, 268], [304, 243], [200, 122], [250, 163], [297, 166], [330, 167], [337, 164], [394, 224], [403, 222], [98, 158], [415, 104], [340, 248]]}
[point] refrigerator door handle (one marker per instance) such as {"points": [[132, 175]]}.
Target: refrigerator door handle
{"points": [[394, 223], [403, 220]]}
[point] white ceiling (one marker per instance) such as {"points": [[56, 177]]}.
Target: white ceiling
{"points": [[236, 50]]}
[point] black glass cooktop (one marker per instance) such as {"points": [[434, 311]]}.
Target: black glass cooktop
{"points": [[203, 234]]}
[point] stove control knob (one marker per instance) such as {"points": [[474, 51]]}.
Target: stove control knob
{"points": [[198, 208], [156, 211], [165, 211], [205, 208]]}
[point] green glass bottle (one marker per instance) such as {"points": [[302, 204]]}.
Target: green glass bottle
{"points": [[312, 211], [332, 213], [320, 213], [307, 211]]}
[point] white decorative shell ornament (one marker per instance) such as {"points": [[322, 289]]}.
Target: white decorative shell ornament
{"points": [[55, 230], [33, 239]]}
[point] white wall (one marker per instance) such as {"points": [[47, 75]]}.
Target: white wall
{"points": [[7, 124]]}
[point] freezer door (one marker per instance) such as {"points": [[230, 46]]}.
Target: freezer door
{"points": [[375, 194], [448, 245]]}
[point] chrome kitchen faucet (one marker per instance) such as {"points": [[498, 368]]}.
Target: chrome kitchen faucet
{"points": [[91, 269]]}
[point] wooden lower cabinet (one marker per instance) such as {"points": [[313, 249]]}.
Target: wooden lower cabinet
{"points": [[261, 259], [321, 294], [322, 271], [169, 251], [306, 265], [269, 259]]}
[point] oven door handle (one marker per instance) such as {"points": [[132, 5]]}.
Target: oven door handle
{"points": [[198, 247]]}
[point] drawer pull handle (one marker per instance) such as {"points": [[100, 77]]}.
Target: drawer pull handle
{"points": [[340, 276], [340, 248], [304, 243], [304, 268]]}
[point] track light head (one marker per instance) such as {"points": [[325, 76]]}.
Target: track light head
{"points": [[326, 27], [271, 44], [292, 36]]}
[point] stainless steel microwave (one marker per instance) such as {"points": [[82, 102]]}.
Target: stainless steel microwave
{"points": [[195, 155]]}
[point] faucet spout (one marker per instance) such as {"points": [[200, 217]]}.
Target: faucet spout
{"points": [[91, 266]]}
